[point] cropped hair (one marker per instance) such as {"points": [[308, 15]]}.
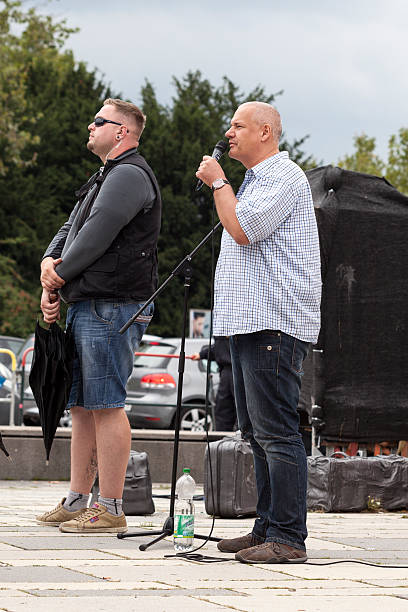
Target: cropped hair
{"points": [[130, 111]]}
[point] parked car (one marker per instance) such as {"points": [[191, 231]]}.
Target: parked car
{"points": [[12, 343], [152, 388]]}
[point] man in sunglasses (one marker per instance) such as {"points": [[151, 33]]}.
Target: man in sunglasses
{"points": [[103, 263]]}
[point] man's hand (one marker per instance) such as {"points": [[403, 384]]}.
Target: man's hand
{"points": [[49, 278], [50, 306], [225, 200], [195, 356], [209, 170]]}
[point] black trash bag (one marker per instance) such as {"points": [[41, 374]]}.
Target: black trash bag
{"points": [[51, 376]]}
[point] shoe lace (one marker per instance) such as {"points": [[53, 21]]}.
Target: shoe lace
{"points": [[276, 547], [53, 511], [88, 514]]}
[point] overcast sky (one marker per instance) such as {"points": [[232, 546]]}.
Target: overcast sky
{"points": [[342, 64]]}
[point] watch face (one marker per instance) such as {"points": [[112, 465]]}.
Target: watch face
{"points": [[218, 183]]}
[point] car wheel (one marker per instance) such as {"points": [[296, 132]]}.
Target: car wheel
{"points": [[29, 422], [193, 419], [66, 419]]}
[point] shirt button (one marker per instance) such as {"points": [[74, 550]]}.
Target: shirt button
{"points": [[269, 348]]}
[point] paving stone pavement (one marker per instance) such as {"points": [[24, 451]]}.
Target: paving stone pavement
{"points": [[43, 569]]}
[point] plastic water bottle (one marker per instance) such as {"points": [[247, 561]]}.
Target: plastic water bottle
{"points": [[184, 514]]}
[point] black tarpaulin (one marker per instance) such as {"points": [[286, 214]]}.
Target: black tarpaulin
{"points": [[363, 229]]}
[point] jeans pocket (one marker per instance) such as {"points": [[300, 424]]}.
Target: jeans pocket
{"points": [[102, 310], [268, 355]]}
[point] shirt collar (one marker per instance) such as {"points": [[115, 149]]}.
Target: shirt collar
{"points": [[122, 155], [263, 166]]}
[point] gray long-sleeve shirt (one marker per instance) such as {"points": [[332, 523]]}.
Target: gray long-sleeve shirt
{"points": [[125, 192]]}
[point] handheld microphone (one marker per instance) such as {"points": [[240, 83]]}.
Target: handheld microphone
{"points": [[219, 150]]}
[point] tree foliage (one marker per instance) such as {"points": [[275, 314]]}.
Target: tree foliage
{"points": [[397, 165], [394, 169], [43, 159], [39, 38], [18, 308], [364, 158]]}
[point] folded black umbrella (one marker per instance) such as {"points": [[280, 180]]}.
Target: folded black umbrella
{"points": [[51, 377], [4, 449]]}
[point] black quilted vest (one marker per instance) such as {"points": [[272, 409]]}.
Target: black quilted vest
{"points": [[128, 268]]}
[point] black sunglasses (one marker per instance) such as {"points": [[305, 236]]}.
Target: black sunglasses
{"points": [[98, 121]]}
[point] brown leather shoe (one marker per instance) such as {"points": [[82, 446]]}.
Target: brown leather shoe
{"points": [[234, 545], [271, 552]]}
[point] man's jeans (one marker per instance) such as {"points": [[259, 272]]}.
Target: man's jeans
{"points": [[267, 368]]}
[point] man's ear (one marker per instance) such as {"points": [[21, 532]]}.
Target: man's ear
{"points": [[266, 132]]}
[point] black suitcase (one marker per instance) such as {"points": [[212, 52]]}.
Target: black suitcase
{"points": [[353, 484], [137, 490], [233, 478]]}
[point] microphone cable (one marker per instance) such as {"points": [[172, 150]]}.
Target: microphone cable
{"points": [[206, 559]]}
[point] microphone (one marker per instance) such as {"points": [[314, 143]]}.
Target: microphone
{"points": [[219, 150]]}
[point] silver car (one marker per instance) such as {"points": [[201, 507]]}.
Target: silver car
{"points": [[152, 388]]}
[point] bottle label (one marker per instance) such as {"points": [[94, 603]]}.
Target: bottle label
{"points": [[184, 526]]}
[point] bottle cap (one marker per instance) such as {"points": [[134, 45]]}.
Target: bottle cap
{"points": [[186, 470]]}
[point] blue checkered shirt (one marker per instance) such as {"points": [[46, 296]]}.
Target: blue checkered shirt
{"points": [[273, 282]]}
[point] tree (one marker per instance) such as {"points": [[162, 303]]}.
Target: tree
{"points": [[18, 308], [364, 158], [397, 166], [57, 99], [40, 37], [394, 169]]}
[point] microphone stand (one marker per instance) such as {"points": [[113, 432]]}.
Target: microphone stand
{"points": [[184, 268]]}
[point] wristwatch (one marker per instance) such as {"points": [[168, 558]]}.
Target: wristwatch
{"points": [[218, 183]]}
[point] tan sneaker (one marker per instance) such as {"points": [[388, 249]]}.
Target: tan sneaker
{"points": [[58, 515], [96, 519]]}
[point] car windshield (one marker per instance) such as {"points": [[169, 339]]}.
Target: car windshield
{"points": [[9, 342], [12, 344], [148, 359]]}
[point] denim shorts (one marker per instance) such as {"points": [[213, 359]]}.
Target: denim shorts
{"points": [[104, 357]]}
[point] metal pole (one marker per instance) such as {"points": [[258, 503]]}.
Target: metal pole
{"points": [[13, 382], [23, 363], [13, 398]]}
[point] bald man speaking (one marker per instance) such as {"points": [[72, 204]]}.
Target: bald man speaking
{"points": [[267, 300]]}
